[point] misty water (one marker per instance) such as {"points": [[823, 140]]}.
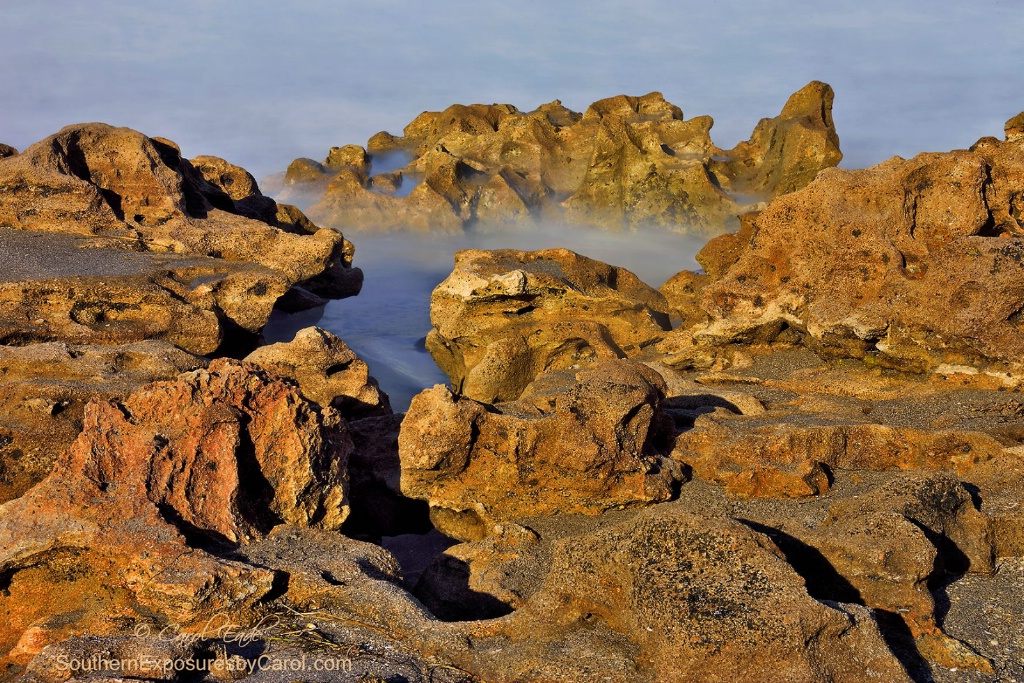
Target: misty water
{"points": [[386, 324], [266, 83]]}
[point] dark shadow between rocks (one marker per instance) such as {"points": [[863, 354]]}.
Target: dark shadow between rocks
{"points": [[823, 581], [900, 640], [444, 590]]}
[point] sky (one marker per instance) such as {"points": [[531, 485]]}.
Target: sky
{"points": [[261, 83]]}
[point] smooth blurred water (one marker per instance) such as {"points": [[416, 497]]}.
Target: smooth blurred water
{"points": [[263, 82], [385, 325]]}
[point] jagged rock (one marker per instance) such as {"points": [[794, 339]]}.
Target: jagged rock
{"points": [[883, 263], [97, 180], [625, 162], [582, 441], [55, 289], [786, 153], [503, 317], [327, 372], [44, 389], [112, 532]]}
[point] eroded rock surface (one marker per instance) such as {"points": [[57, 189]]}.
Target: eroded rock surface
{"points": [[115, 531], [115, 183], [914, 264], [626, 161], [503, 317], [327, 371], [44, 389], [582, 441]]}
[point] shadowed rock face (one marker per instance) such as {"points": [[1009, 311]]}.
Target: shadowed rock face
{"points": [[625, 162], [503, 317], [115, 183], [218, 455], [914, 264]]}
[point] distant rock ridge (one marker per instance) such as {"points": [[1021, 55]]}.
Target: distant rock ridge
{"points": [[625, 162]]}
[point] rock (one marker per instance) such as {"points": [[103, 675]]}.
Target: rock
{"points": [[327, 372], [626, 162], [785, 153], [503, 317], [44, 389], [675, 596], [7, 151], [114, 531], [1015, 128], [576, 442], [97, 180], [852, 265], [54, 288], [778, 455]]}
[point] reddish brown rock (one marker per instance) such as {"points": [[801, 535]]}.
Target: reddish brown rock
{"points": [[327, 371], [503, 317], [44, 389], [221, 453], [582, 441]]}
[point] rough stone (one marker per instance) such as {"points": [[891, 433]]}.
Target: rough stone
{"points": [[327, 372], [503, 317], [582, 441], [625, 162]]}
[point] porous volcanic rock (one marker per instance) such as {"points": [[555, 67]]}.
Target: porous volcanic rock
{"points": [[97, 180], [503, 317], [577, 441], [914, 264], [625, 162], [44, 389], [114, 532], [327, 371]]}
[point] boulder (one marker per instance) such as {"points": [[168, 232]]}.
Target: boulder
{"points": [[97, 180], [44, 389], [503, 317], [576, 442], [114, 531], [327, 371], [7, 151], [883, 264]]}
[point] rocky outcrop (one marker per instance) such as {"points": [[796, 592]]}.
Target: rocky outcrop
{"points": [[220, 454], [625, 162], [503, 317], [44, 389], [576, 442], [327, 372], [885, 263], [115, 183], [7, 151]]}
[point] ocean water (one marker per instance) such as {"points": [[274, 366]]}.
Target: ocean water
{"points": [[261, 83], [386, 324]]}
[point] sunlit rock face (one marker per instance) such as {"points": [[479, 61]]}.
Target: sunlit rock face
{"points": [[625, 162]]}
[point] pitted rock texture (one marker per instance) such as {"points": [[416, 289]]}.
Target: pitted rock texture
{"points": [[44, 389], [582, 441], [625, 162], [914, 264], [327, 371], [503, 317]]}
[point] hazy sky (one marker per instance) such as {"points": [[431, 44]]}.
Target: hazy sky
{"points": [[262, 82]]}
